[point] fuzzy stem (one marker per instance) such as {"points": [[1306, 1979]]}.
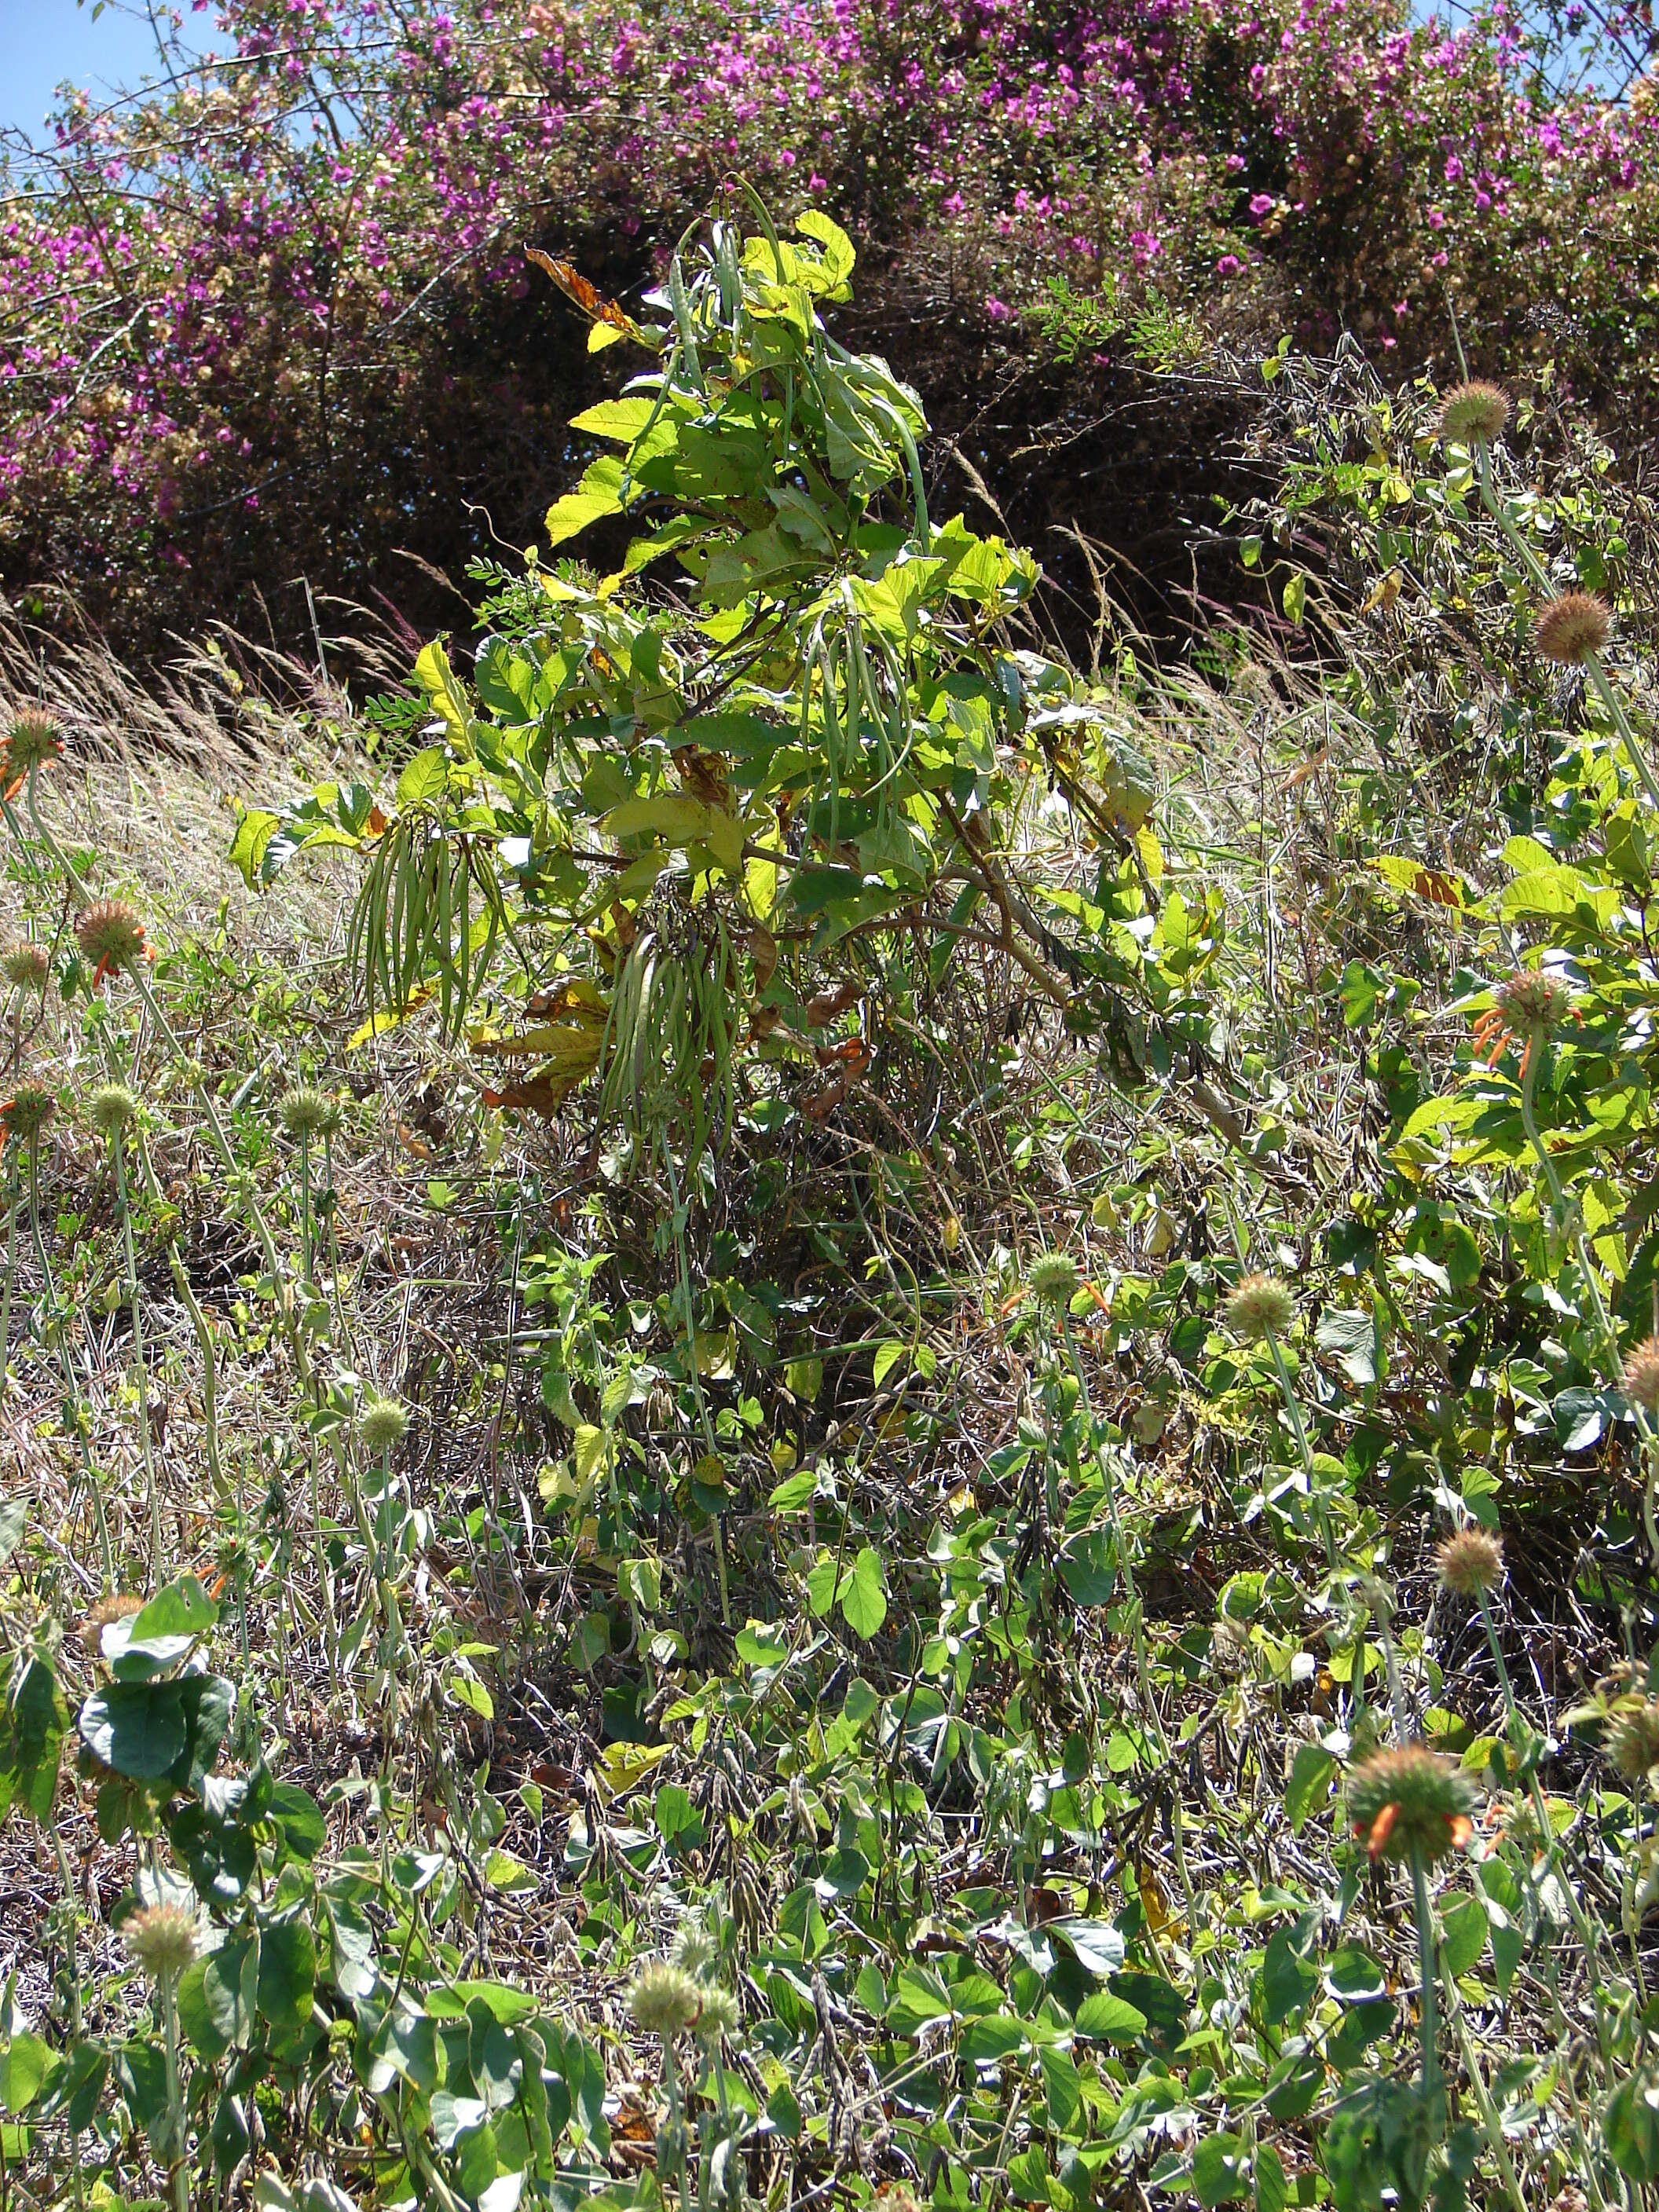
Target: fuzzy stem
{"points": [[192, 1303], [304, 1202], [141, 1372], [72, 1919], [179, 2172], [12, 1270], [71, 1394], [1428, 1974]]}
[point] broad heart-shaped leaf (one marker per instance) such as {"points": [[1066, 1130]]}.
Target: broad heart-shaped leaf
{"points": [[864, 1600], [217, 1998], [13, 1519], [23, 2066], [209, 1702], [32, 1725], [1219, 2169], [1309, 1783], [138, 1728], [1094, 1944], [1112, 2020], [143, 2068], [1631, 2122], [149, 1642], [287, 1973], [1349, 1334]]}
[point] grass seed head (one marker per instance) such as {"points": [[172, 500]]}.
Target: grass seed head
{"points": [[1054, 1278], [1471, 1562], [1633, 1740], [26, 1112], [1639, 1380], [111, 1108], [383, 1424], [1573, 627], [111, 934], [1475, 409], [1411, 1796], [665, 1999], [1261, 1306], [163, 1940], [26, 966]]}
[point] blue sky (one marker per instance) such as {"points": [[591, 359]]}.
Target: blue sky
{"points": [[44, 41]]}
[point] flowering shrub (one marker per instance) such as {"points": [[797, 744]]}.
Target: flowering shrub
{"points": [[279, 320]]}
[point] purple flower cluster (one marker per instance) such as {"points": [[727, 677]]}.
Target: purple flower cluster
{"points": [[195, 287]]}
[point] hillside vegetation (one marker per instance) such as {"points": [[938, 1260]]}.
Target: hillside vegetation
{"points": [[813, 1408]]}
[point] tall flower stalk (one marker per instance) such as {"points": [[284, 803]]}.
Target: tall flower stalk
{"points": [[111, 1111]]}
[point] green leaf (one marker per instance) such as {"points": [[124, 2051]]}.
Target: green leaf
{"points": [[1308, 1785], [864, 1600], [598, 494], [1349, 1334], [888, 1357], [1109, 2019], [1271, 2192], [425, 778], [161, 1634], [1296, 599], [1465, 1925], [1220, 2170], [254, 830], [1288, 1979], [1094, 1944], [287, 1973], [138, 1728], [23, 2066], [1353, 1977], [32, 1724], [1630, 2122]]}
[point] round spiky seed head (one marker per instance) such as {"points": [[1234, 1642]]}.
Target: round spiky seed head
{"points": [[27, 967], [111, 1108], [695, 1950], [1640, 1379], [1531, 1000], [1633, 1740], [1475, 410], [163, 1940], [117, 1605], [26, 1112], [111, 934], [383, 1424], [1053, 1279], [1573, 627], [718, 2016], [1260, 1306], [665, 1999], [1410, 1797], [32, 739], [1471, 1562], [303, 1111]]}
